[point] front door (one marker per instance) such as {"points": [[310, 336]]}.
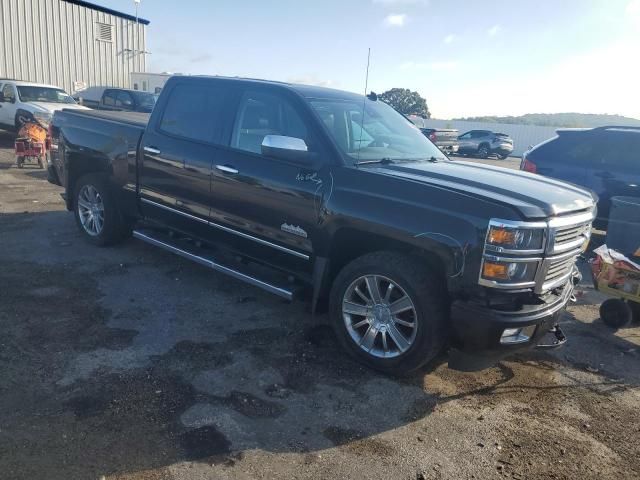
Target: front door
{"points": [[271, 206], [179, 150]]}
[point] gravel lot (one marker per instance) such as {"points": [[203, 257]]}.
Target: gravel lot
{"points": [[130, 363]]}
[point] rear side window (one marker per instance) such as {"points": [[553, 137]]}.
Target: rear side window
{"points": [[622, 150], [192, 111], [574, 148], [9, 93]]}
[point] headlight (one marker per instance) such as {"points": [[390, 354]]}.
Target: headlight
{"points": [[43, 118], [512, 238], [504, 271]]}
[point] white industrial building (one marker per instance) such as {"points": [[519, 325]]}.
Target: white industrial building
{"points": [[73, 44]]}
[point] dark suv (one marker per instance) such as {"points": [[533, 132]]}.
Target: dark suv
{"points": [[483, 143], [604, 159]]}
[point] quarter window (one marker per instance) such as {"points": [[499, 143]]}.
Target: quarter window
{"points": [[192, 110], [261, 114]]}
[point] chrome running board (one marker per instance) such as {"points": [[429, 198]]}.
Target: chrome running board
{"points": [[172, 245]]}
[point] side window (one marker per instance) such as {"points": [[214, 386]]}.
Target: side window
{"points": [[261, 114], [124, 100], [110, 98], [9, 93], [192, 110], [568, 148], [622, 150], [465, 136], [581, 152]]}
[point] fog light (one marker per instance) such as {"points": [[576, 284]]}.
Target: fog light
{"points": [[512, 336]]}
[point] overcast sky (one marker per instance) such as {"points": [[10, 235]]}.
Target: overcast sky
{"points": [[466, 57]]}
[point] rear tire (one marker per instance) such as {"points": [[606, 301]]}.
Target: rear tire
{"points": [[615, 313], [96, 211], [483, 151], [419, 315], [19, 162]]}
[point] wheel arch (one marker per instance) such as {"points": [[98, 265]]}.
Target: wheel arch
{"points": [[76, 166], [348, 243]]}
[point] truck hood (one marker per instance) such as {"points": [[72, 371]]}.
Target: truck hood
{"points": [[534, 196], [52, 107]]}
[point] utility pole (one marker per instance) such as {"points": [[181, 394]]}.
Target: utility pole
{"points": [[136, 48]]}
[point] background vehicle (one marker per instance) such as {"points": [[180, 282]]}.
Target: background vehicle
{"points": [[604, 159], [483, 143], [118, 99], [443, 138], [410, 252], [21, 102]]}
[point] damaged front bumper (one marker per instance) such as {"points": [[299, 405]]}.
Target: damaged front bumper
{"points": [[484, 335]]}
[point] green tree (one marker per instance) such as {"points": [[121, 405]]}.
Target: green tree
{"points": [[406, 102]]}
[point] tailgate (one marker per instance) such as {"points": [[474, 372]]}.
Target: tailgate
{"points": [[446, 137]]}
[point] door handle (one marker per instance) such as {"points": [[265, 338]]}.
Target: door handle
{"points": [[226, 169], [151, 150]]}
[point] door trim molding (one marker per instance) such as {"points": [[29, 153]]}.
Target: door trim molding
{"points": [[229, 230]]}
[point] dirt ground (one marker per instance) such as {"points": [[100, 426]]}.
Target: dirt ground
{"points": [[130, 363]]}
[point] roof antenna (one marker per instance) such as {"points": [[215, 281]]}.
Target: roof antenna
{"points": [[364, 100]]}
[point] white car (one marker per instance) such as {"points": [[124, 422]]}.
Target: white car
{"points": [[21, 102]]}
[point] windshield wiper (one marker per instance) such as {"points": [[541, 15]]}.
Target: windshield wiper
{"points": [[383, 161], [437, 159]]}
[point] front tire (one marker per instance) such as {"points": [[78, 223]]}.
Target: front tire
{"points": [[389, 311], [483, 151], [96, 211]]}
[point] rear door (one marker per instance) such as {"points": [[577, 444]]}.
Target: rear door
{"points": [[616, 170], [179, 149]]}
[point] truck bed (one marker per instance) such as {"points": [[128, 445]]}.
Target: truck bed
{"points": [[130, 118]]}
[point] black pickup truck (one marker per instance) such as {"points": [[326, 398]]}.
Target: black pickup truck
{"points": [[339, 199]]}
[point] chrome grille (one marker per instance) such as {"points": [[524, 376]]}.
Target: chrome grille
{"points": [[570, 237], [559, 269]]}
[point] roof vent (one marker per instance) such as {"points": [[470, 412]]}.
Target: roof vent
{"points": [[104, 32]]}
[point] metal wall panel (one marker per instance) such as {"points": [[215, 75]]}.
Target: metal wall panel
{"points": [[55, 42]]}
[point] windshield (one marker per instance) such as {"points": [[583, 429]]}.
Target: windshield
{"points": [[43, 94], [384, 134], [144, 99]]}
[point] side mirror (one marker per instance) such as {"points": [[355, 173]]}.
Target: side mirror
{"points": [[285, 148]]}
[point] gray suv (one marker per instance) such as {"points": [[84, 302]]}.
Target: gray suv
{"points": [[483, 143]]}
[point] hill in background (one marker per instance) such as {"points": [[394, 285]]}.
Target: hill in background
{"points": [[560, 120]]}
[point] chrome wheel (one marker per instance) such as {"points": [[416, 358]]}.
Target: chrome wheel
{"points": [[379, 315], [91, 210]]}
